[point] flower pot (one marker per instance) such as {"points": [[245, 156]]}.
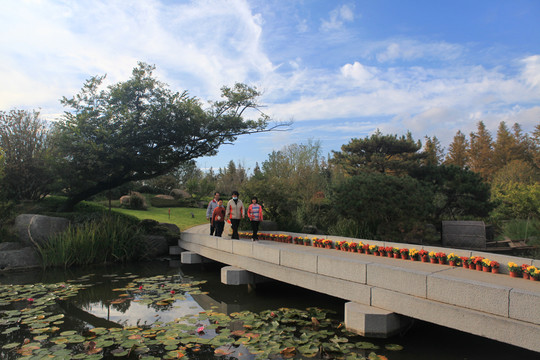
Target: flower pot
{"points": [[433, 260], [389, 254], [479, 267], [377, 253], [452, 263], [533, 278], [396, 256], [465, 265], [495, 270], [513, 274], [442, 261], [328, 246], [525, 275], [413, 258], [486, 269], [425, 258], [404, 256]]}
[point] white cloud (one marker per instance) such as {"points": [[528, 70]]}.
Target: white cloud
{"points": [[408, 50], [49, 43], [337, 17], [531, 71]]}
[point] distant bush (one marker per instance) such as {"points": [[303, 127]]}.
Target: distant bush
{"points": [[105, 239], [136, 201]]}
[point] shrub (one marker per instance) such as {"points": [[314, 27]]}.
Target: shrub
{"points": [[105, 239], [137, 201]]}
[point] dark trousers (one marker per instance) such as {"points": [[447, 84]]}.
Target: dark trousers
{"points": [[234, 224], [212, 228], [218, 226], [255, 228]]}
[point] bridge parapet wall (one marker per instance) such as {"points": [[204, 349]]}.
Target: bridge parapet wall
{"points": [[491, 305]]}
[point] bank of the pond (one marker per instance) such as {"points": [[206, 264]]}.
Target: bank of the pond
{"points": [[101, 305]]}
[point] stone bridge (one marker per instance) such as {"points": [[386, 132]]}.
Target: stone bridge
{"points": [[383, 293]]}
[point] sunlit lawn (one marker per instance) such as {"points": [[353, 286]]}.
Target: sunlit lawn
{"points": [[179, 216]]}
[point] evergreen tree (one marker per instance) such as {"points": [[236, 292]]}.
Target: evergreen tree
{"points": [[481, 151], [458, 151], [433, 151], [386, 154], [535, 146], [505, 147]]}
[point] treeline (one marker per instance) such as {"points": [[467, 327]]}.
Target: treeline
{"points": [[390, 187], [140, 135]]}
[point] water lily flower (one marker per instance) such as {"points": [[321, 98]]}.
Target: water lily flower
{"points": [[200, 329], [173, 292], [30, 299]]}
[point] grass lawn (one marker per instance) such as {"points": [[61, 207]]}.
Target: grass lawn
{"points": [[179, 216]]}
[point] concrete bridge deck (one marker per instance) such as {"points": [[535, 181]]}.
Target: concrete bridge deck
{"points": [[495, 306]]}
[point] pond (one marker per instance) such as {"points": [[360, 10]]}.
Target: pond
{"points": [[162, 309]]}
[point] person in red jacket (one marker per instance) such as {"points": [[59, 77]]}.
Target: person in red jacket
{"points": [[255, 215], [218, 218]]}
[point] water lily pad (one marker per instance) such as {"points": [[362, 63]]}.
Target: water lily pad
{"points": [[10, 346], [393, 347]]}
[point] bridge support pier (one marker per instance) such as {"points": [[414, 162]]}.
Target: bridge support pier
{"points": [[231, 275], [189, 257], [373, 322]]}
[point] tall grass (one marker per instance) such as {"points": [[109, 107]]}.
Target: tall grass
{"points": [[103, 240], [526, 229]]}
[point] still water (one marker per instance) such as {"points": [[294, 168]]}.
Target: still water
{"points": [[100, 305]]}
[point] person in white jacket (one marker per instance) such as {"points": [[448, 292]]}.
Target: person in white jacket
{"points": [[235, 213]]}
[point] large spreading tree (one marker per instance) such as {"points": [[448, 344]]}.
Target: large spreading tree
{"points": [[140, 129]]}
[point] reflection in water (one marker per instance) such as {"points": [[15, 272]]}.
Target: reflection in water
{"points": [[99, 306]]}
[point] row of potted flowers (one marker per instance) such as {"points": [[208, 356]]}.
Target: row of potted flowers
{"points": [[474, 262]]}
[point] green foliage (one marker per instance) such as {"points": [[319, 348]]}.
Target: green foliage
{"points": [[139, 129], [107, 239], [379, 153], [380, 202], [352, 228], [291, 186], [522, 229], [457, 192], [25, 159], [516, 200], [136, 201]]}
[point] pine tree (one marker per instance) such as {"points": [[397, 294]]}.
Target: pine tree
{"points": [[504, 148], [481, 152], [458, 151], [433, 151], [535, 146]]}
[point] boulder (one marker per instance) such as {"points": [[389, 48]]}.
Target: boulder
{"points": [[124, 200], [7, 246], [23, 258], [38, 228], [156, 245], [177, 193], [171, 227]]}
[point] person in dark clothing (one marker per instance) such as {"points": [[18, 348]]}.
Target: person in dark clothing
{"points": [[218, 218]]}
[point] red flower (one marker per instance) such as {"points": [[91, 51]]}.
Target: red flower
{"points": [[173, 292]]}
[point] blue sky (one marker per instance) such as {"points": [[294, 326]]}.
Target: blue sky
{"points": [[338, 69]]}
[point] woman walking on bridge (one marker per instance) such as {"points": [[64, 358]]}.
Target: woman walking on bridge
{"points": [[255, 215], [235, 213]]}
